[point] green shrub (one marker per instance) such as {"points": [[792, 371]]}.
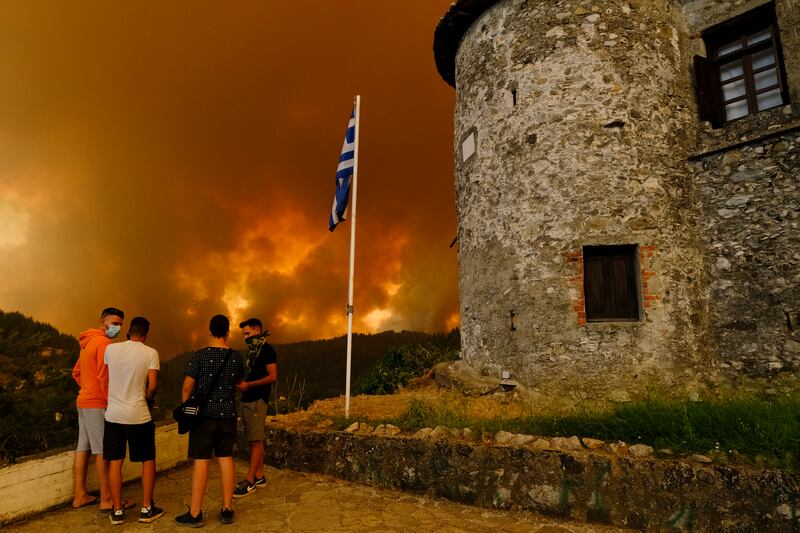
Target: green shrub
{"points": [[399, 365]]}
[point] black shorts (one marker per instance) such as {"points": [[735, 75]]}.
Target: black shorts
{"points": [[212, 434], [140, 438]]}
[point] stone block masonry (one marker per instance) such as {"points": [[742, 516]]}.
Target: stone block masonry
{"points": [[594, 85], [642, 493], [751, 238], [577, 125]]}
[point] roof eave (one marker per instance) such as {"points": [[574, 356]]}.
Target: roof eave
{"points": [[449, 32]]}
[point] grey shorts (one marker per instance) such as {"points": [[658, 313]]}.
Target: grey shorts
{"points": [[90, 430], [254, 415]]}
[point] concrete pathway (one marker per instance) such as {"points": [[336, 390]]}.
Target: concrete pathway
{"points": [[294, 501]]}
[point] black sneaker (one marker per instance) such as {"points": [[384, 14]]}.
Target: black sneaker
{"points": [[186, 519], [243, 489], [150, 514], [117, 516], [226, 516], [260, 481]]}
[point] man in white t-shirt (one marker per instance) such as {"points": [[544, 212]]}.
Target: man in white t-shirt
{"points": [[132, 380]]}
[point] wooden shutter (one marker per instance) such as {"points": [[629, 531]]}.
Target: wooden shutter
{"points": [[709, 97], [597, 305], [625, 303], [610, 283]]}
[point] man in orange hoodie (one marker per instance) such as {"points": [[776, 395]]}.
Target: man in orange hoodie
{"points": [[91, 374]]}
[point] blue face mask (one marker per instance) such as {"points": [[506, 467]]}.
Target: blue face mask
{"points": [[112, 331]]}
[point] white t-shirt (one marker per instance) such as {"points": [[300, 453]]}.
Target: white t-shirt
{"points": [[128, 363]]}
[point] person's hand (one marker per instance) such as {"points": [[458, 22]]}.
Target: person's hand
{"points": [[242, 386]]}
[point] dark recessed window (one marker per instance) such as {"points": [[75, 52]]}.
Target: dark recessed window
{"points": [[743, 73], [610, 283]]}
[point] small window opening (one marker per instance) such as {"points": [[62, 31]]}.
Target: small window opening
{"points": [[611, 283], [513, 97]]}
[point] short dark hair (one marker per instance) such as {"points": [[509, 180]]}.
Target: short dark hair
{"points": [[252, 322], [219, 326], [140, 326], [111, 311]]}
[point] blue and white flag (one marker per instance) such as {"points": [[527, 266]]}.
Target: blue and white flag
{"points": [[344, 175]]}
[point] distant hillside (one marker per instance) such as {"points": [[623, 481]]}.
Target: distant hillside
{"points": [[316, 367], [37, 392]]}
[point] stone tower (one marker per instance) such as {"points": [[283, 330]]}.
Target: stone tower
{"points": [[586, 266]]}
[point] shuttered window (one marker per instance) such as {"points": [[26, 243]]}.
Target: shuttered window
{"points": [[611, 283], [743, 73]]}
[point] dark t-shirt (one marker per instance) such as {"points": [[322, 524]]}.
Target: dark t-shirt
{"points": [[221, 402], [257, 369]]}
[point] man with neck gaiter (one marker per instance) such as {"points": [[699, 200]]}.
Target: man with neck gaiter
{"points": [[262, 371]]}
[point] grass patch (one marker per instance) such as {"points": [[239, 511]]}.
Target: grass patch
{"points": [[763, 431]]}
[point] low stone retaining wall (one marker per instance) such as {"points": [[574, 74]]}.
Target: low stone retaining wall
{"points": [[645, 493], [38, 484]]}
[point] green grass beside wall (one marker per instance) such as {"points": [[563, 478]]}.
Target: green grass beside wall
{"points": [[744, 429]]}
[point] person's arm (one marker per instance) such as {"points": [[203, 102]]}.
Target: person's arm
{"points": [[76, 372], [271, 377], [102, 371], [152, 385], [188, 386], [153, 366]]}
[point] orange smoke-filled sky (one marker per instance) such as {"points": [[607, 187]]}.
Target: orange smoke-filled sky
{"points": [[177, 160]]}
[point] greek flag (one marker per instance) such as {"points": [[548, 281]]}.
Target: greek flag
{"points": [[344, 175]]}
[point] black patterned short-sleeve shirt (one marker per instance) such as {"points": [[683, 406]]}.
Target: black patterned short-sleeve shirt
{"points": [[221, 402]]}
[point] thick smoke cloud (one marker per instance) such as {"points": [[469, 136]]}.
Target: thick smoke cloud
{"points": [[176, 159]]}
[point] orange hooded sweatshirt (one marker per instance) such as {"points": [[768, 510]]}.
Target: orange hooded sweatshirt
{"points": [[91, 372]]}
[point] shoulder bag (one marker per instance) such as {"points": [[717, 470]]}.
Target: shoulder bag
{"points": [[187, 414]]}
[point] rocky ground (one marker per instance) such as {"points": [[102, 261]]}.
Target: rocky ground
{"points": [[294, 502]]}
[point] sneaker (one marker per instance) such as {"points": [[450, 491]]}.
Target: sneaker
{"points": [[226, 516], [150, 514], [260, 481], [243, 489], [117, 516], [186, 519]]}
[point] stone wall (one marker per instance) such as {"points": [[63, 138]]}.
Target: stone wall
{"points": [[748, 176], [643, 493], [582, 116], [576, 124], [751, 207]]}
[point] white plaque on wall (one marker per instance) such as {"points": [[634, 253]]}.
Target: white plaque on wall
{"points": [[468, 147]]}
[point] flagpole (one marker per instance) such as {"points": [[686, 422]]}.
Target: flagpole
{"points": [[352, 261]]}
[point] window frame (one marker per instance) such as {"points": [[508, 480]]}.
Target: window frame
{"points": [[611, 312], [709, 85]]}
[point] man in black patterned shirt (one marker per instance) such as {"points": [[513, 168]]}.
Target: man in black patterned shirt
{"points": [[216, 430]]}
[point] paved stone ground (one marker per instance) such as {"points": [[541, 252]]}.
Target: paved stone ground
{"points": [[295, 501]]}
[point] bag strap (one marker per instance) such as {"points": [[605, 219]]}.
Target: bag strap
{"points": [[254, 358], [216, 375]]}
